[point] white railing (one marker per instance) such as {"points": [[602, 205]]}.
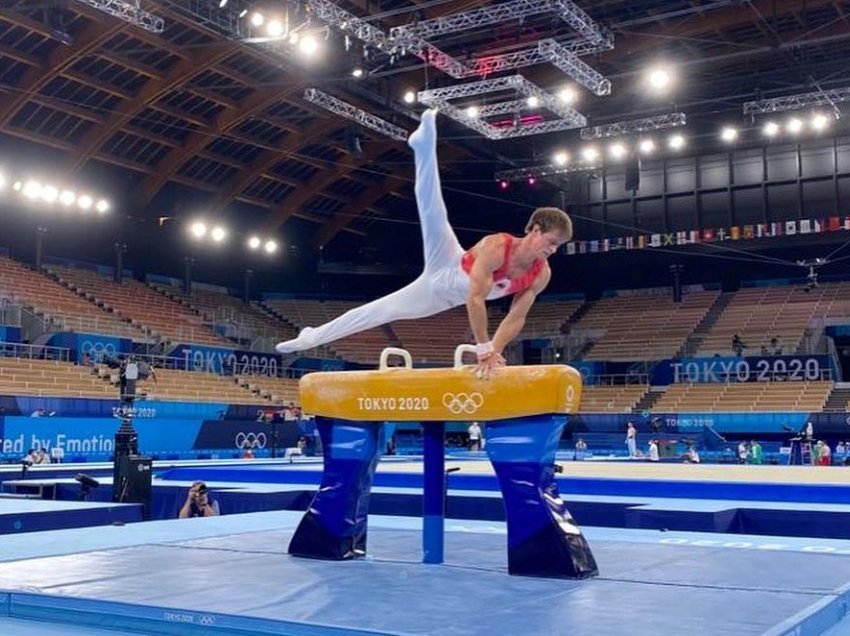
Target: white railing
{"points": [[33, 352]]}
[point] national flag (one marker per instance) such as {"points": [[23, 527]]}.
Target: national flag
{"points": [[655, 240], [762, 230], [776, 229], [681, 238], [721, 234], [834, 223], [735, 232], [748, 232], [606, 245], [708, 235], [790, 227], [630, 242], [694, 236], [818, 226], [594, 246], [846, 223], [805, 226], [641, 242], [582, 247], [571, 248]]}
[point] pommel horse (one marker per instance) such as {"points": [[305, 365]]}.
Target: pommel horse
{"points": [[525, 408]]}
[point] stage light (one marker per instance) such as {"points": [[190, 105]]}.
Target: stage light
{"points": [[676, 142], [32, 189], [67, 197], [294, 38], [820, 121], [646, 146], [794, 125], [274, 28], [222, 4], [257, 19], [198, 229], [2, 182], [472, 112], [17, 186], [617, 150], [771, 129], [218, 234], [102, 206], [270, 247], [409, 97], [560, 158], [503, 184], [85, 202], [567, 95], [357, 72], [729, 134], [254, 242], [308, 45], [533, 101], [243, 13], [659, 78], [49, 193], [532, 181], [590, 154]]}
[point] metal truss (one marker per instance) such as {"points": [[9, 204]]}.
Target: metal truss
{"points": [[633, 126], [484, 66], [349, 111], [573, 66], [129, 11], [349, 23], [406, 35], [796, 102], [439, 98], [545, 170], [209, 13]]}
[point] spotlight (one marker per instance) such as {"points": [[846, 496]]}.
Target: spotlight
{"points": [[17, 186], [590, 154], [794, 125], [2, 182], [308, 45], [676, 142], [409, 97], [274, 28], [820, 121], [102, 206], [67, 197], [294, 37], [567, 95], [198, 229], [357, 72], [222, 4], [254, 242], [257, 19], [532, 181], [218, 234], [560, 158], [243, 13], [533, 101], [646, 146], [659, 78], [472, 112], [49, 193], [503, 184], [32, 189], [771, 129], [729, 134], [270, 247], [85, 202], [617, 150]]}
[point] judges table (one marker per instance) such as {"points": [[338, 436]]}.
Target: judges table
{"points": [[525, 408]]}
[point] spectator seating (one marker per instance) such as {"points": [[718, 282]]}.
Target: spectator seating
{"points": [[25, 376], [145, 307], [277, 390], [744, 397], [433, 340], [62, 308], [758, 314], [644, 326], [192, 386], [618, 398], [248, 324], [548, 317]]}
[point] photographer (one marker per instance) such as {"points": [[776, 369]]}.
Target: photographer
{"points": [[198, 503]]}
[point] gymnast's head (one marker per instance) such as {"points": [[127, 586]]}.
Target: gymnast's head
{"points": [[551, 227]]}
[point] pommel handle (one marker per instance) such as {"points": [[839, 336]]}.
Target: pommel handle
{"points": [[461, 349], [395, 351]]}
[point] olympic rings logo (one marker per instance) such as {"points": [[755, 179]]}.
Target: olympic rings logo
{"points": [[207, 620], [571, 394], [251, 440], [467, 403], [98, 350]]}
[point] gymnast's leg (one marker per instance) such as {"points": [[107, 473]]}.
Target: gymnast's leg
{"points": [[415, 300], [440, 244]]}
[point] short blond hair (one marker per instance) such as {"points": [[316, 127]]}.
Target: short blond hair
{"points": [[548, 219]]}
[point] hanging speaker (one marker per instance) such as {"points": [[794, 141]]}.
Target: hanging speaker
{"points": [[633, 172]]}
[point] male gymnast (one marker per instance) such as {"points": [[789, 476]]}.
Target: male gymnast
{"points": [[497, 266]]}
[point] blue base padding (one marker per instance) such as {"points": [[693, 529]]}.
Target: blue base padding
{"points": [[35, 515]]}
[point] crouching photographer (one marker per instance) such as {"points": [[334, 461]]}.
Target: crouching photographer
{"points": [[199, 503]]}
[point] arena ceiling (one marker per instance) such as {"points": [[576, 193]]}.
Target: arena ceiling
{"points": [[198, 118]]}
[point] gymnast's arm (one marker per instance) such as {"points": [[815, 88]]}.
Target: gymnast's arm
{"points": [[512, 323], [489, 254]]}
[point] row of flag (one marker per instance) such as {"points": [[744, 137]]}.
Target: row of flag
{"points": [[711, 235]]}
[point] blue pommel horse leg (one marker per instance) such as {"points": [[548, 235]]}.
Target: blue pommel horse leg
{"points": [[525, 408]]}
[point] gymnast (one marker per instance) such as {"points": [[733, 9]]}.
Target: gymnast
{"points": [[497, 266]]}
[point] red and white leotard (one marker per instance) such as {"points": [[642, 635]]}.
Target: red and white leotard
{"points": [[502, 285]]}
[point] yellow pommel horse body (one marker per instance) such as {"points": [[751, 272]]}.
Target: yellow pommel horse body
{"points": [[526, 408]]}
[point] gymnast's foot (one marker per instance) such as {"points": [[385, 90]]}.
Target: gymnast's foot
{"points": [[426, 135], [301, 343]]}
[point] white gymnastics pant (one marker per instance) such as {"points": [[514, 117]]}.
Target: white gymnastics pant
{"points": [[442, 285]]}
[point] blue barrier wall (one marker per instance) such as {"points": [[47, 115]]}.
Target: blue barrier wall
{"points": [[10, 334]]}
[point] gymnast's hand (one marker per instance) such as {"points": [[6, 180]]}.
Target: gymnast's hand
{"points": [[487, 363]]}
